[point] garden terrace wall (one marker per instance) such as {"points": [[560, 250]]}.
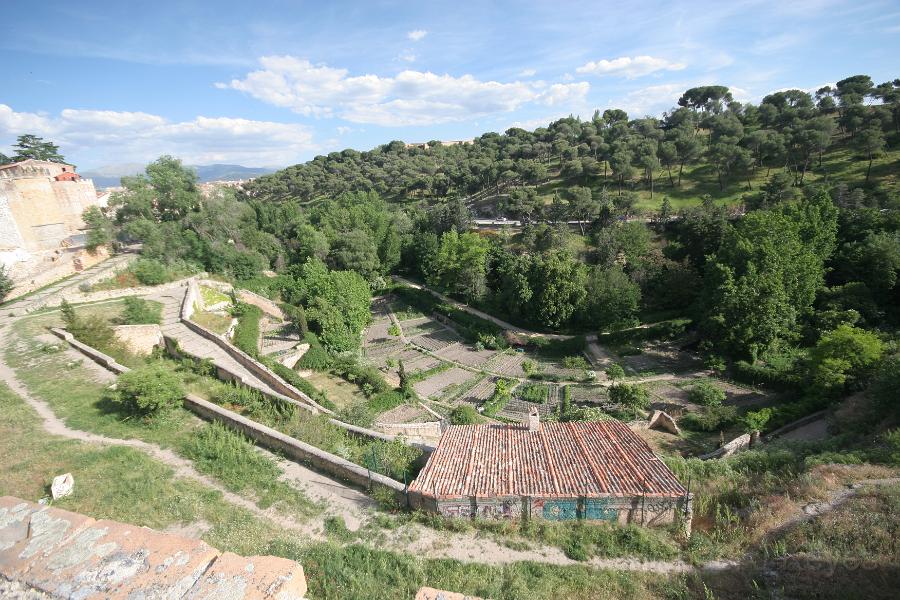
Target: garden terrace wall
{"points": [[295, 449], [225, 375], [273, 439], [258, 369], [95, 355], [430, 429]]}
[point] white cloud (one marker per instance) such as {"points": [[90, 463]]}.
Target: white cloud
{"points": [[416, 34], [114, 136], [408, 98], [527, 73], [630, 67], [407, 56], [343, 129]]}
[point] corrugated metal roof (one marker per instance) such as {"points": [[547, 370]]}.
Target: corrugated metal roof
{"points": [[602, 458]]}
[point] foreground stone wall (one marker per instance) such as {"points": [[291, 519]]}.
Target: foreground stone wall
{"points": [[69, 555]]}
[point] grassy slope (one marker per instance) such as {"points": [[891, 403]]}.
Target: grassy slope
{"points": [[83, 404], [840, 163], [126, 485]]}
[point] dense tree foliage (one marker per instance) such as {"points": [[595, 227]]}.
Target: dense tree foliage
{"points": [[785, 286]]}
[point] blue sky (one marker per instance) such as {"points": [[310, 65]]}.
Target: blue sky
{"points": [[272, 83]]}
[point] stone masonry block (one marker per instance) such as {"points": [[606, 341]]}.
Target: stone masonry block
{"points": [[252, 578]]}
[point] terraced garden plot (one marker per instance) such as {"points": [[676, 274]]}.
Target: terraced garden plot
{"points": [[434, 386], [509, 364], [411, 324], [558, 370], [467, 355], [537, 393], [420, 362], [381, 353], [279, 337], [661, 357], [381, 308], [458, 393], [480, 392], [378, 332], [518, 410], [405, 413], [402, 310], [423, 327], [435, 341], [587, 394]]}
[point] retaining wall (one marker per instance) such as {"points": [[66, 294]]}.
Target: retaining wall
{"points": [[258, 369], [270, 438], [275, 440], [95, 355], [736, 445], [417, 430]]}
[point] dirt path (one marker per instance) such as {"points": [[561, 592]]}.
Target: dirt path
{"points": [[814, 430], [53, 425]]}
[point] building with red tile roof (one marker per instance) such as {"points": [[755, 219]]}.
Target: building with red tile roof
{"points": [[598, 470]]}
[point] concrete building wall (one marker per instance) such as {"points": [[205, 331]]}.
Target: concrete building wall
{"points": [[623, 510]]}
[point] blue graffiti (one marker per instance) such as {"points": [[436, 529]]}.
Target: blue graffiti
{"points": [[598, 509]]}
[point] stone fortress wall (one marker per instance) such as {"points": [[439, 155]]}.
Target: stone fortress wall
{"points": [[41, 229]]}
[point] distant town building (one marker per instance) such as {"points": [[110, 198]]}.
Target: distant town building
{"points": [[426, 145], [599, 471], [41, 226]]}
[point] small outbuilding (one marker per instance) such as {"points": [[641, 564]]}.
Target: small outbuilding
{"points": [[599, 470]]}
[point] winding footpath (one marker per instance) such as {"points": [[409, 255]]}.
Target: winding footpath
{"points": [[53, 425]]}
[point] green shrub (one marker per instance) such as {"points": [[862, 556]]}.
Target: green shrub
{"points": [[536, 394], [709, 418], [246, 332], [784, 380], [357, 414], [297, 316], [384, 401], [575, 362], [635, 397], [140, 312], [6, 283], [615, 371], [368, 378], [395, 459], [316, 358], [705, 393], [465, 414], [149, 390], [150, 272], [500, 397]]}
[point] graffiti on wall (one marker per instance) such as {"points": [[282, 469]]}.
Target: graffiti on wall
{"points": [[599, 509], [560, 510]]}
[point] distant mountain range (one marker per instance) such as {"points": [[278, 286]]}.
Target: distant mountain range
{"points": [[110, 175]]}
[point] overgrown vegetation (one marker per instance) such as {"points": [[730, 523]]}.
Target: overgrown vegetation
{"points": [[149, 391]]}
